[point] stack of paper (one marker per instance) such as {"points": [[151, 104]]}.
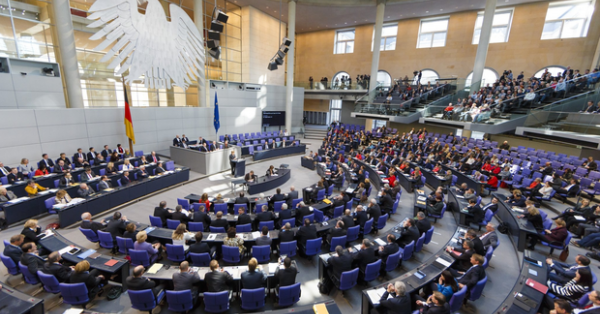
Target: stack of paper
{"points": [[212, 236], [375, 295], [155, 268], [273, 267], [443, 262], [256, 234], [380, 242]]}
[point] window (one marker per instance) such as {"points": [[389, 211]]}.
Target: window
{"points": [[433, 32], [335, 110], [500, 26], [554, 71], [344, 41], [384, 79], [342, 80], [429, 76], [388, 37], [489, 77], [567, 19]]}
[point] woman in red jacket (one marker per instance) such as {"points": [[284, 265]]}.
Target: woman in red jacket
{"points": [[41, 171], [492, 182]]}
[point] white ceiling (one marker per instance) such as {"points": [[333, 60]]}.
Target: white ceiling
{"points": [[312, 15]]}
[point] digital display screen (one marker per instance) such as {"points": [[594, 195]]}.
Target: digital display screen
{"points": [[273, 118]]}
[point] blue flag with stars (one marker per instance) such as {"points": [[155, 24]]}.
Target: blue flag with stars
{"points": [[217, 122]]}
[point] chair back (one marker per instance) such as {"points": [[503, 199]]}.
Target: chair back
{"points": [[457, 299], [222, 207], [547, 224], [270, 224], [295, 202], [489, 253], [180, 301], [335, 241], [338, 211], [382, 221], [289, 295], [195, 226], [29, 278], [478, 289], [175, 253], [49, 202], [231, 254], [395, 206], [253, 299], [408, 251], [217, 229], [243, 228], [288, 248], [349, 204], [10, 265], [50, 282], [291, 221], [143, 300], [393, 260], [329, 190], [419, 245], [106, 240], [368, 226], [313, 247], [200, 259], [89, 234], [317, 215], [216, 302], [236, 208], [310, 217], [428, 235], [74, 293], [583, 301], [184, 202], [372, 270], [352, 233], [321, 194], [139, 257], [155, 221], [348, 279], [173, 224], [124, 244], [277, 206], [262, 253]]}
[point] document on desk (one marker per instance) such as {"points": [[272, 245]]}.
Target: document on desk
{"points": [[18, 200], [256, 234], [579, 217], [375, 295], [212, 236], [273, 267], [311, 208], [459, 196], [380, 242], [443, 262], [155, 268]]}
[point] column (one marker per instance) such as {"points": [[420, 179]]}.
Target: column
{"points": [[66, 46], [199, 21], [376, 44], [484, 42], [289, 91]]}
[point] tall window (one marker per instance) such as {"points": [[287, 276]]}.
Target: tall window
{"points": [[500, 26], [568, 19], [489, 77], [433, 32], [553, 70], [384, 79], [388, 37], [344, 41], [429, 76], [335, 110]]}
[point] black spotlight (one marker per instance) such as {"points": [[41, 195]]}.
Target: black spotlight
{"points": [[214, 35], [287, 42], [272, 66], [221, 16], [216, 26], [281, 54], [279, 61], [212, 44], [284, 48], [48, 71], [215, 52]]}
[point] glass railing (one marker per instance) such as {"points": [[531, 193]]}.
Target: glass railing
{"points": [[584, 123], [332, 85]]}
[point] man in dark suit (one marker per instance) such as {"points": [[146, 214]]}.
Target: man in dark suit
{"points": [[200, 247], [184, 138], [61, 167], [478, 247], [253, 278], [490, 237], [301, 211], [366, 255], [264, 238], [284, 214], [409, 233], [277, 197], [138, 282], [80, 154], [472, 275], [142, 173], [163, 212], [201, 216], [220, 221], [92, 154], [463, 261], [31, 259], [286, 276], [217, 280], [203, 148], [47, 161], [250, 177], [54, 267], [87, 223], [153, 157], [13, 250], [104, 183], [477, 214], [305, 233], [423, 224], [385, 251], [563, 272], [337, 231], [186, 280], [435, 207], [374, 212], [15, 175], [117, 226], [4, 171], [243, 218], [337, 264], [264, 215], [106, 152], [361, 216], [242, 200], [386, 202], [493, 206], [85, 191], [179, 215], [347, 219], [286, 234], [292, 195], [177, 141], [435, 304], [125, 180]]}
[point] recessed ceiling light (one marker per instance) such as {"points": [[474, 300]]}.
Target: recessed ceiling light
{"points": [[345, 23], [400, 14], [267, 7], [426, 11], [388, 17], [441, 9], [354, 21]]}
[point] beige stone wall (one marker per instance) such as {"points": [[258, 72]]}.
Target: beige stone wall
{"points": [[319, 105], [524, 51]]}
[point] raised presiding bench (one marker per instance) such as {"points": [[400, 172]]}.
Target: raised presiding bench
{"points": [[56, 242], [108, 199], [281, 151], [16, 302], [202, 162], [265, 183]]}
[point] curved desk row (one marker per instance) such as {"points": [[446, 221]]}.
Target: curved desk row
{"points": [[280, 151], [14, 301], [463, 178], [265, 183], [374, 176], [518, 228], [204, 162]]}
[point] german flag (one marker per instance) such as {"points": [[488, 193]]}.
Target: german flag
{"points": [[128, 121]]}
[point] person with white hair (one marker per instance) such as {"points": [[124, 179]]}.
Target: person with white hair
{"points": [[301, 211], [284, 214], [399, 302]]}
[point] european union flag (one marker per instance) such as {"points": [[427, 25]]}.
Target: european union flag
{"points": [[217, 122]]}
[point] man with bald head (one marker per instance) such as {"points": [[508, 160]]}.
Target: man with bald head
{"points": [[87, 223], [186, 280], [54, 267], [138, 282]]}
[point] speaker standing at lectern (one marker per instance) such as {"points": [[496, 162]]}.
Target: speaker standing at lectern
{"points": [[231, 161]]}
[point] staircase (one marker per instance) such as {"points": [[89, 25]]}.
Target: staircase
{"points": [[315, 132]]}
